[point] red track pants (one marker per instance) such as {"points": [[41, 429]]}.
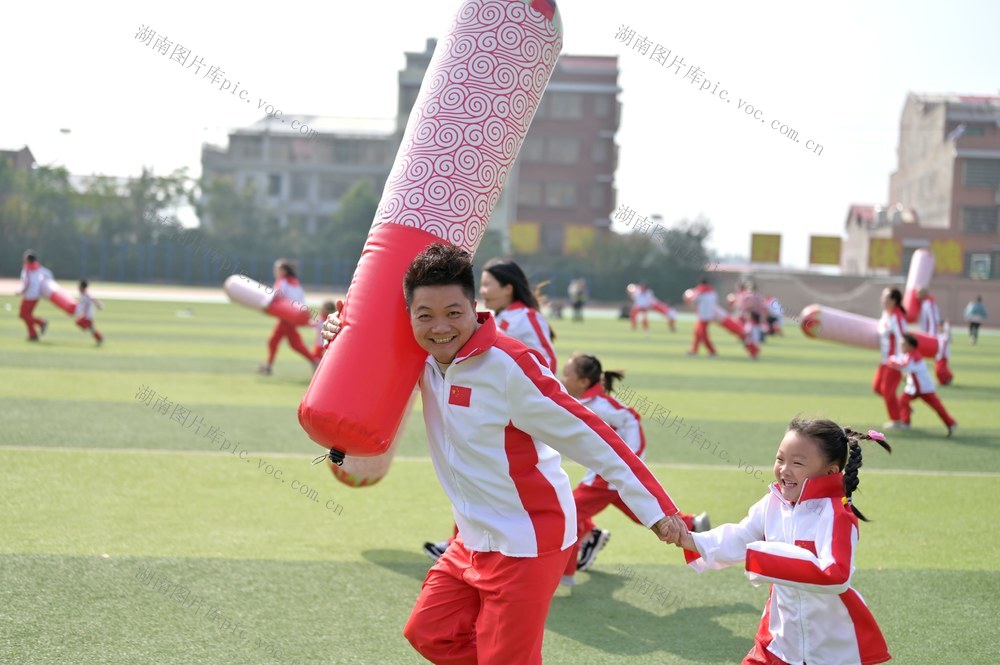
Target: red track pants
{"points": [[484, 608]]}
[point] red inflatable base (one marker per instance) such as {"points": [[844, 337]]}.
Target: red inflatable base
{"points": [[358, 395]]}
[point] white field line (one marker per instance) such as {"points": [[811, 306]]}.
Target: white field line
{"points": [[401, 458]]}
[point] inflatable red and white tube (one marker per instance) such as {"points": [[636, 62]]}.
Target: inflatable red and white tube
{"points": [[919, 277], [835, 325], [473, 111], [251, 293], [57, 296]]}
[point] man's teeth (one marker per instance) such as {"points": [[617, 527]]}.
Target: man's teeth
{"points": [[442, 340]]}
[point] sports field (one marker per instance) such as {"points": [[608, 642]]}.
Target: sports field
{"points": [[128, 536]]}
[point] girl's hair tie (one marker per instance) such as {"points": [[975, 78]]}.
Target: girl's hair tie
{"points": [[877, 436]]}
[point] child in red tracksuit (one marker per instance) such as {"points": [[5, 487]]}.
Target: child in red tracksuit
{"points": [[800, 539], [32, 275], [585, 379], [918, 384], [84, 313], [286, 285], [891, 327]]}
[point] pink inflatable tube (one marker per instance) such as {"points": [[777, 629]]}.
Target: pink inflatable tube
{"points": [[251, 293], [58, 297], [476, 103], [834, 325], [723, 318], [919, 277]]}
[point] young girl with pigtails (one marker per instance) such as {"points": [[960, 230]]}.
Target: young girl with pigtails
{"points": [[586, 379], [800, 539]]}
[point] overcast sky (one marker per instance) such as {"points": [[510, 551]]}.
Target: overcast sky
{"points": [[838, 75]]}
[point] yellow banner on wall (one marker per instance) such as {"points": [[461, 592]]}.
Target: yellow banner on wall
{"points": [[824, 250], [765, 248], [578, 239], [948, 256], [525, 237], [885, 253]]}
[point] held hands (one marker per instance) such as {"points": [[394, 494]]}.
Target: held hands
{"points": [[672, 531], [332, 325]]}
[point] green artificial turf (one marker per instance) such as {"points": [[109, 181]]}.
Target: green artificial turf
{"points": [[127, 536]]}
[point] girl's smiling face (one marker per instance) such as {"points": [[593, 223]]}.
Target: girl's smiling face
{"points": [[799, 457]]}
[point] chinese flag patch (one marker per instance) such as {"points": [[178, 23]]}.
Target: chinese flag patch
{"points": [[807, 545], [460, 396]]}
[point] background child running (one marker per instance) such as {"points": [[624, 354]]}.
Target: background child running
{"points": [[891, 327], [286, 285], [33, 274], [800, 538], [84, 313], [585, 379], [918, 384]]}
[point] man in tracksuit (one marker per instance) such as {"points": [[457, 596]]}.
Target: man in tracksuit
{"points": [[488, 404]]}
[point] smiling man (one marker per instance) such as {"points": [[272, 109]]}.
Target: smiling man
{"points": [[488, 404]]}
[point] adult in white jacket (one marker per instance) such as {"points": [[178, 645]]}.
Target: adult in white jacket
{"points": [[800, 539], [488, 404]]}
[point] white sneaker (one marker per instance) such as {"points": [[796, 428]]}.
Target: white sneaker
{"points": [[951, 429], [435, 550]]}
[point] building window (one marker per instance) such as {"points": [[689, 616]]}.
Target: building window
{"points": [[529, 193], [274, 184], [602, 106], [598, 197], [974, 130], [333, 187], [600, 151], [300, 186], [566, 106], [563, 150], [560, 195], [533, 149], [982, 173], [980, 220], [980, 266], [346, 152], [250, 147]]}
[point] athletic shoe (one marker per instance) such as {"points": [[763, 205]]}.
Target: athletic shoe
{"points": [[42, 327], [435, 550], [702, 523], [903, 425], [568, 580], [589, 550], [894, 424], [951, 429], [265, 370], [32, 339]]}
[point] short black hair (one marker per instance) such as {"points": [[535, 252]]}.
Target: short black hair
{"points": [[440, 264], [29, 255], [83, 284], [911, 339]]}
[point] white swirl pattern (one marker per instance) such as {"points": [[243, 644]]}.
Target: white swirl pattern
{"points": [[473, 111]]}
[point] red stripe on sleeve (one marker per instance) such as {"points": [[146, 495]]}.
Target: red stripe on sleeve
{"points": [[537, 495], [552, 389], [806, 572]]}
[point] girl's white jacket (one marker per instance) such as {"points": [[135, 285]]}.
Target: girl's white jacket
{"points": [[486, 418], [891, 326], [623, 420], [529, 327], [806, 552]]}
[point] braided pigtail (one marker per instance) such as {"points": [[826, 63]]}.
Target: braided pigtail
{"points": [[854, 462], [608, 378]]}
